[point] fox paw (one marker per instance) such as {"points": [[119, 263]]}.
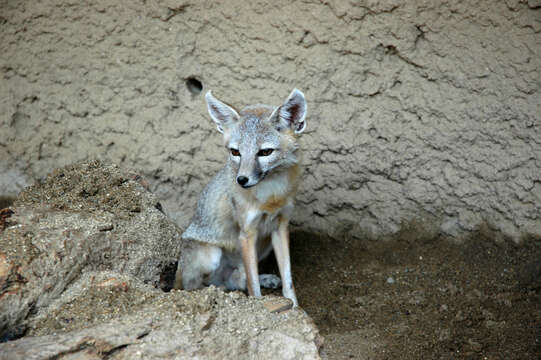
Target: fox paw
{"points": [[270, 281]]}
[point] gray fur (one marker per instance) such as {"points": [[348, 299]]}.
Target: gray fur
{"points": [[263, 150], [211, 205]]}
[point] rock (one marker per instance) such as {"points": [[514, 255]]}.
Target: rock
{"points": [[90, 216], [96, 317], [92, 343], [278, 304]]}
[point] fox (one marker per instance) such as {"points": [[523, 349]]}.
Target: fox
{"points": [[243, 213]]}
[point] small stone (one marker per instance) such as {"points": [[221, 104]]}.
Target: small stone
{"points": [[114, 284], [106, 227], [278, 305], [390, 280]]}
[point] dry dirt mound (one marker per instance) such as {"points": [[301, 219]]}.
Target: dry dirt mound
{"points": [[90, 216]]}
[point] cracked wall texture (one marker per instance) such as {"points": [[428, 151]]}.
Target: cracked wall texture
{"points": [[424, 111]]}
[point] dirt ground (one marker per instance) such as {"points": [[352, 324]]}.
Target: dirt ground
{"points": [[422, 298]]}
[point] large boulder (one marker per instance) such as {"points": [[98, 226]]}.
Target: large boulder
{"points": [[90, 216]]}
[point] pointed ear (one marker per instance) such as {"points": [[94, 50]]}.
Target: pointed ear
{"points": [[292, 112], [222, 114]]}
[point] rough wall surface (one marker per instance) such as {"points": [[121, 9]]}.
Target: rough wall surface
{"points": [[417, 110]]}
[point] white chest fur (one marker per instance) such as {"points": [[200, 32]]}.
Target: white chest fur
{"points": [[273, 187], [270, 199]]}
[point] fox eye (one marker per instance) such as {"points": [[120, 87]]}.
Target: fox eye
{"points": [[265, 152], [235, 152]]}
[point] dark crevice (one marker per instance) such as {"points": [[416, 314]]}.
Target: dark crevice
{"points": [[194, 86], [143, 335], [6, 201], [167, 277], [14, 333], [108, 354]]}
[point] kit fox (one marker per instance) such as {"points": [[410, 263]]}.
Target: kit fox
{"points": [[244, 212]]}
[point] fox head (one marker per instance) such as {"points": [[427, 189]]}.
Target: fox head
{"points": [[260, 138]]}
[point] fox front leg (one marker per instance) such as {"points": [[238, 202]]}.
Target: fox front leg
{"points": [[249, 258], [280, 243]]}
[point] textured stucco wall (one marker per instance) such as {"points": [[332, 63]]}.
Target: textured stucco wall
{"points": [[417, 110]]}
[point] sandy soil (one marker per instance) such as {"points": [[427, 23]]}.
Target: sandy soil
{"points": [[426, 298]]}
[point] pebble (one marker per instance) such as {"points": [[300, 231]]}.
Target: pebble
{"points": [[278, 305]]}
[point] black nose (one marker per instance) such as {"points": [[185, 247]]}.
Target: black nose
{"points": [[242, 180]]}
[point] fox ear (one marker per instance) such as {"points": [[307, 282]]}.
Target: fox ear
{"points": [[292, 112], [222, 114]]}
